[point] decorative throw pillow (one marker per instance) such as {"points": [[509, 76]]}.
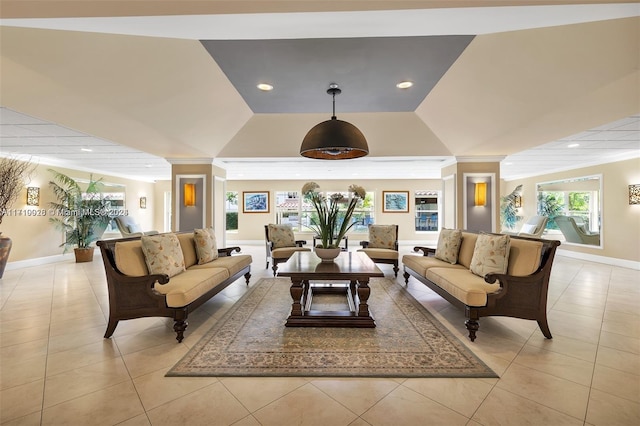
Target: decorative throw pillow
{"points": [[491, 254], [382, 236], [528, 229], [449, 245], [134, 227], [206, 247], [163, 254], [281, 236]]}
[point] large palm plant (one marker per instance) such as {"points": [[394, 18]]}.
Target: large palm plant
{"points": [[82, 215]]}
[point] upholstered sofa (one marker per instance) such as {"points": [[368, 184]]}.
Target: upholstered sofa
{"points": [[167, 275], [487, 275]]}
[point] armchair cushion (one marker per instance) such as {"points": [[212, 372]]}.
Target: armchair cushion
{"points": [[206, 247], [281, 236], [382, 236], [491, 254], [134, 227], [163, 254], [449, 245]]}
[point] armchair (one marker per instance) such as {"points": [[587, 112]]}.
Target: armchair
{"points": [[382, 246], [280, 244], [575, 233], [532, 228], [128, 227]]}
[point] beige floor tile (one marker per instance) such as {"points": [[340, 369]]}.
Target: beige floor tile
{"points": [[503, 408], [77, 325], [22, 370], [307, 406], [65, 342], [108, 406], [80, 356], [616, 382], [155, 389], [619, 360], [359, 422], [565, 345], [23, 336], [556, 364], [148, 338], [573, 308], [152, 359], [32, 419], [23, 351], [20, 401], [607, 410], [141, 420], [212, 405], [247, 421], [622, 305], [404, 406], [546, 389], [461, 395], [257, 392], [358, 395], [625, 328], [622, 343], [78, 382]]}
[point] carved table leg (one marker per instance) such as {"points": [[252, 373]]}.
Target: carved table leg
{"points": [[296, 294], [363, 295]]}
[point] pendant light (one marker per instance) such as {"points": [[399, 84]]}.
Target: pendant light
{"points": [[334, 139]]}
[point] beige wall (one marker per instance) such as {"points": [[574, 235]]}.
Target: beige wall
{"points": [[34, 236], [251, 225], [620, 221]]}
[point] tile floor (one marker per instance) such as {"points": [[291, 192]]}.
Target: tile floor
{"points": [[57, 369]]}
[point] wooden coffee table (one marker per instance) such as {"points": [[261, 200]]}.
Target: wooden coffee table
{"points": [[354, 267]]}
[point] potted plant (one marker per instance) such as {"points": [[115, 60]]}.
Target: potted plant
{"points": [[83, 216], [508, 210], [330, 222], [13, 173]]}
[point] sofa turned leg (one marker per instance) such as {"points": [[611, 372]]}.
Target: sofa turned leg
{"points": [[179, 327], [395, 269], [111, 327], [275, 269], [472, 326], [544, 327], [406, 277], [247, 276]]}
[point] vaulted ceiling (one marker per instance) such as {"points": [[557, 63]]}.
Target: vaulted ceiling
{"points": [[178, 79]]}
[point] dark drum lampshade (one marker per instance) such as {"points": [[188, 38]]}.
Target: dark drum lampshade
{"points": [[334, 139]]}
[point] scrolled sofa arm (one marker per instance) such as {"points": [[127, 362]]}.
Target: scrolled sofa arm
{"points": [[426, 251]]}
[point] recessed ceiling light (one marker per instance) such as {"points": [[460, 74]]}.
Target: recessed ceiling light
{"points": [[404, 84], [573, 145], [86, 149], [265, 87], [147, 165], [508, 163]]}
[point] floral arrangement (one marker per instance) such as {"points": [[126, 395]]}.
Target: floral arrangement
{"points": [[331, 224]]}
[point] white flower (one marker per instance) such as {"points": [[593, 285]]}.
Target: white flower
{"points": [[358, 191], [309, 187]]}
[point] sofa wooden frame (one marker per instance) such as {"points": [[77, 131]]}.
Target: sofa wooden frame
{"points": [[135, 297], [518, 297]]}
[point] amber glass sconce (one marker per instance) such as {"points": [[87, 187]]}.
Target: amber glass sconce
{"points": [[189, 194], [481, 194], [33, 196]]}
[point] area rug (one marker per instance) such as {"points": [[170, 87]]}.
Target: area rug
{"points": [[251, 340]]}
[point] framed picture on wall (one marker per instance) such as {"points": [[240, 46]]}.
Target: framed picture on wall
{"points": [[395, 201], [143, 202], [255, 202]]}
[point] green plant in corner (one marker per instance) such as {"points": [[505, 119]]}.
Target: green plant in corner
{"points": [[330, 221], [508, 211], [83, 215]]}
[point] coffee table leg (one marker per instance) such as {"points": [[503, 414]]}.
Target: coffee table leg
{"points": [[296, 295], [363, 295]]}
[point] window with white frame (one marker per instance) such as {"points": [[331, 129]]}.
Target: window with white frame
{"points": [[427, 210], [231, 208]]}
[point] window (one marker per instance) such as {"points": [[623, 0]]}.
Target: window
{"points": [[427, 215], [231, 208], [288, 208], [362, 217]]}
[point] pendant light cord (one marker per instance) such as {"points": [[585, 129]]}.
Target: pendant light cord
{"points": [[333, 117]]}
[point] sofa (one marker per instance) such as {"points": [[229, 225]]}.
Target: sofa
{"points": [[167, 275], [487, 275]]}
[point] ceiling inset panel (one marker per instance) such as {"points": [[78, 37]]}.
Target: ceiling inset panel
{"points": [[366, 69]]}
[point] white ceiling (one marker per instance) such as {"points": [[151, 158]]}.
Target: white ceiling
{"points": [[49, 143]]}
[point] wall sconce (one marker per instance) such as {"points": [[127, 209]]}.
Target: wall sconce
{"points": [[33, 196], [517, 201], [143, 202], [481, 194], [189, 194], [634, 194]]}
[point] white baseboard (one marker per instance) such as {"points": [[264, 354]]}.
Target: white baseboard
{"points": [[623, 263], [37, 261]]}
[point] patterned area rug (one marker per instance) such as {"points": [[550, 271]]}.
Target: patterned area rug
{"points": [[251, 340]]}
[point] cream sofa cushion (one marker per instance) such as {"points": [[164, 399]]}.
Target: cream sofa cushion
{"points": [[233, 264], [188, 246], [491, 254], [286, 252], [130, 258], [184, 288], [470, 289], [467, 247], [449, 245], [524, 257], [421, 264], [206, 247], [163, 254]]}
